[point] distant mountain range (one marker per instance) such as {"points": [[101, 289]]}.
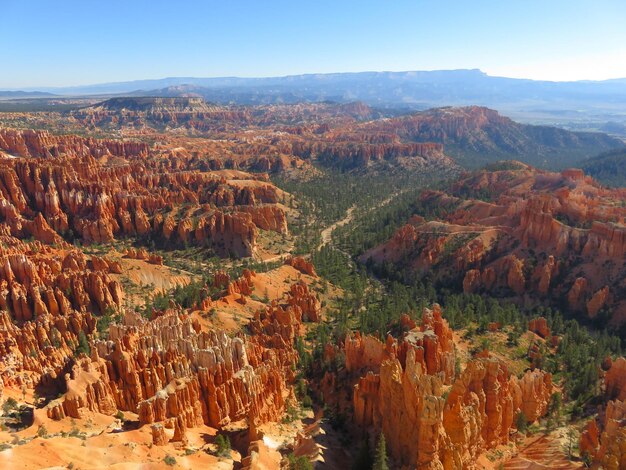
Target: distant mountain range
{"points": [[579, 105], [24, 94], [389, 87]]}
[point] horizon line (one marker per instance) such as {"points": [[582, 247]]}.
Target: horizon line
{"points": [[217, 77]]}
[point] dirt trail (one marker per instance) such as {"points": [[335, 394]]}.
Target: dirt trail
{"points": [[327, 233], [546, 452]]}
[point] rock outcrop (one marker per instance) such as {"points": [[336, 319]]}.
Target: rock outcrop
{"points": [[75, 193], [400, 391], [49, 294], [604, 439], [425, 430], [514, 231], [540, 327], [169, 371]]}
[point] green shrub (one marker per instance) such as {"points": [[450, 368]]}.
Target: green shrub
{"points": [[223, 445], [42, 431], [83, 344], [299, 463], [521, 422], [9, 405]]}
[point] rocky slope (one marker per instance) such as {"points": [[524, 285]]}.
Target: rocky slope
{"points": [[326, 133], [172, 373], [521, 233], [159, 113], [49, 297], [477, 135], [346, 136]]}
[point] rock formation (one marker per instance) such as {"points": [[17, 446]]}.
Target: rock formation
{"points": [[169, 371], [400, 386], [514, 231], [74, 193], [603, 440]]}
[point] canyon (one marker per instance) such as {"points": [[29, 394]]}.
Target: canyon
{"points": [[347, 136], [176, 289]]}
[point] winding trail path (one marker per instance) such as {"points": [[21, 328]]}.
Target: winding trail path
{"points": [[327, 233]]}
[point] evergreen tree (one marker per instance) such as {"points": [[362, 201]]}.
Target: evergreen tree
{"points": [[521, 422], [380, 461], [83, 344]]}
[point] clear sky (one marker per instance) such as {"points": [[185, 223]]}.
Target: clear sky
{"points": [[75, 42]]}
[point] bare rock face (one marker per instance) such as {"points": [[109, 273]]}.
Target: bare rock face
{"points": [[597, 301], [431, 342], [540, 327], [50, 296], [88, 387], [173, 374], [479, 411], [180, 431], [604, 437], [615, 380], [532, 393], [158, 434], [306, 302], [427, 431], [178, 399], [364, 352], [42, 144], [302, 265], [242, 285], [517, 231], [169, 372]]}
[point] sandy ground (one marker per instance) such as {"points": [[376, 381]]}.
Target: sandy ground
{"points": [[142, 279], [97, 443]]}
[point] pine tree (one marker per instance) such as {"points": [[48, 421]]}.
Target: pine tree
{"points": [[380, 461], [83, 344], [521, 422]]}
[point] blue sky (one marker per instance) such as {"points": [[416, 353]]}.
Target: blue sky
{"points": [[71, 42]]}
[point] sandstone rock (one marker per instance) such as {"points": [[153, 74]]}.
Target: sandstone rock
{"points": [[305, 301], [615, 380], [98, 203], [158, 434], [597, 301], [399, 391], [302, 265], [532, 393], [539, 326], [604, 438]]}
